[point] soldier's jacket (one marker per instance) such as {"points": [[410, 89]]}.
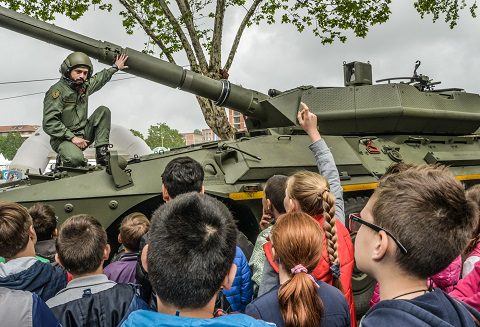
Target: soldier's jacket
{"points": [[65, 110]]}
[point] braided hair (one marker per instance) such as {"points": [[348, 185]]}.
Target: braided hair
{"points": [[312, 192]]}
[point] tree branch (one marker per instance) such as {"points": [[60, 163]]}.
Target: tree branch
{"points": [[148, 30], [178, 30], [216, 51], [241, 28], [186, 12]]}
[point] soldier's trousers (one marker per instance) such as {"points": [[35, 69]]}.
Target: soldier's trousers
{"points": [[97, 130]]}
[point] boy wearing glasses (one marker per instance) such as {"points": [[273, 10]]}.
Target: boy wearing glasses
{"points": [[416, 223]]}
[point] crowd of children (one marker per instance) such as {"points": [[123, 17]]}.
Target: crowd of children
{"points": [[187, 264]]}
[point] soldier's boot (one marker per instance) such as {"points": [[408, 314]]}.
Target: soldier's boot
{"points": [[101, 154]]}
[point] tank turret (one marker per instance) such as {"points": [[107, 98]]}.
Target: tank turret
{"points": [[359, 108]]}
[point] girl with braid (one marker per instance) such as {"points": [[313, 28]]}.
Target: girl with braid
{"points": [[300, 300], [321, 198]]}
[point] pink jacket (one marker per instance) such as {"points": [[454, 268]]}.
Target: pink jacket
{"points": [[468, 289], [445, 280]]}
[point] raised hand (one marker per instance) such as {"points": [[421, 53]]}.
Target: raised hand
{"points": [[120, 61]]}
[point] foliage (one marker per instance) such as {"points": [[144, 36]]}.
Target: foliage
{"points": [[10, 144], [196, 26], [137, 133], [451, 9], [162, 135], [197, 131]]}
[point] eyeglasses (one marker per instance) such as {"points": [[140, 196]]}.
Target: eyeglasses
{"points": [[355, 222]]}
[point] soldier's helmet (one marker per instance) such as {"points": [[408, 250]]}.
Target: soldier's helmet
{"points": [[74, 60]]}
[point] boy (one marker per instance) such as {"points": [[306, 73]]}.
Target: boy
{"points": [[22, 271], [45, 226], [133, 227], [90, 299], [189, 258], [416, 222]]}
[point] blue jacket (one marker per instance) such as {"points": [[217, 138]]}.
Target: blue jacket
{"points": [[143, 318], [241, 292], [432, 309], [336, 311], [41, 278], [29, 310]]}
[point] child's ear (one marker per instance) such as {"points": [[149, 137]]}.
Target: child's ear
{"points": [[106, 252], [165, 195], [381, 242], [55, 232], [228, 281], [119, 238], [202, 190], [143, 258], [32, 234], [57, 260]]}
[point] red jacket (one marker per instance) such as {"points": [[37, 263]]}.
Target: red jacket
{"points": [[322, 271]]}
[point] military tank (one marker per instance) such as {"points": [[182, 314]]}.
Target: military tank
{"points": [[368, 128]]}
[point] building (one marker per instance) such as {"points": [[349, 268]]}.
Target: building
{"points": [[236, 119], [209, 135], [24, 130], [193, 138]]}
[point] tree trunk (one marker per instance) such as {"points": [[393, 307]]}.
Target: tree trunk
{"points": [[216, 118]]}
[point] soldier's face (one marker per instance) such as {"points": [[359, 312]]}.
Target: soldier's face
{"points": [[79, 75]]}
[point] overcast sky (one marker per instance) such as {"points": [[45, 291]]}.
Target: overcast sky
{"points": [[268, 57]]}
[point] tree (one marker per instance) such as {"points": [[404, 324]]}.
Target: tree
{"points": [[164, 136], [196, 27], [137, 133], [10, 144]]}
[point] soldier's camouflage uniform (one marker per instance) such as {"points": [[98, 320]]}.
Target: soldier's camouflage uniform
{"points": [[65, 113]]}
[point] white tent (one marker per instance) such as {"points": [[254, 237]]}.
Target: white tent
{"points": [[3, 160]]}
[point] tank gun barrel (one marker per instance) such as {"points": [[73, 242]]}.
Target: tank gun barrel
{"points": [[222, 92]]}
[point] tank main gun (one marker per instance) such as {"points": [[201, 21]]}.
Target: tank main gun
{"points": [[359, 108]]}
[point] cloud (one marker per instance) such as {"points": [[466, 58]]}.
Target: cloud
{"points": [[268, 57]]}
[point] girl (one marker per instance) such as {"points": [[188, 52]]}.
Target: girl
{"points": [[300, 301], [311, 193]]}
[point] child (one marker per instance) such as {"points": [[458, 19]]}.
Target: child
{"points": [[473, 249], [414, 225], [22, 271], [45, 225], [241, 292], [300, 301], [189, 257], [133, 227], [90, 299], [311, 193], [272, 207]]}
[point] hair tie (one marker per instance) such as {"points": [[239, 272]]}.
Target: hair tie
{"points": [[335, 270], [300, 268]]}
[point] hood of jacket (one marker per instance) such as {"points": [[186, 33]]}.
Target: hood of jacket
{"points": [[41, 278], [143, 318], [432, 309]]}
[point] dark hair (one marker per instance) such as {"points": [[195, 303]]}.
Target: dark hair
{"points": [[298, 240], [133, 227], [44, 220], [275, 191], [192, 242], [473, 194], [14, 225], [182, 175], [80, 244], [425, 200]]}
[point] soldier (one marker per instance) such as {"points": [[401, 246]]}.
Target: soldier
{"points": [[65, 109]]}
